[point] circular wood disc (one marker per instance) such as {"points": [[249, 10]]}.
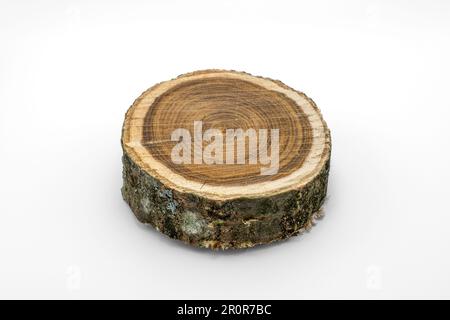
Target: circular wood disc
{"points": [[216, 192]]}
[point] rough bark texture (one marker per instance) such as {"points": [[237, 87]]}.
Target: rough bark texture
{"points": [[237, 223]]}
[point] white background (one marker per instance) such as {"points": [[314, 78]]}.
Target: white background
{"points": [[379, 71]]}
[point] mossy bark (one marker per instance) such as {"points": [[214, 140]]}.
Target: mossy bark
{"points": [[237, 223]]}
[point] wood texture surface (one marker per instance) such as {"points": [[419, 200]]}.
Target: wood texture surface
{"points": [[223, 205]]}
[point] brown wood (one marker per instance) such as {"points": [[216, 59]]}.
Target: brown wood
{"points": [[224, 205]]}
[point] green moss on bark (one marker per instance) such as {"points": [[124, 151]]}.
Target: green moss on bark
{"points": [[237, 223]]}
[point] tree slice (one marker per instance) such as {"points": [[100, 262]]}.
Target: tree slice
{"points": [[219, 197]]}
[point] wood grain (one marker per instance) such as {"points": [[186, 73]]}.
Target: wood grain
{"points": [[225, 205]]}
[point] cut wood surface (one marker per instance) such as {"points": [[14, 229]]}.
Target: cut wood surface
{"points": [[217, 196]]}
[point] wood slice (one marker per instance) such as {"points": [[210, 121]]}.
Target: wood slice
{"points": [[220, 195]]}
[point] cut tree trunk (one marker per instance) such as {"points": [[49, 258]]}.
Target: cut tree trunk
{"points": [[213, 196]]}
